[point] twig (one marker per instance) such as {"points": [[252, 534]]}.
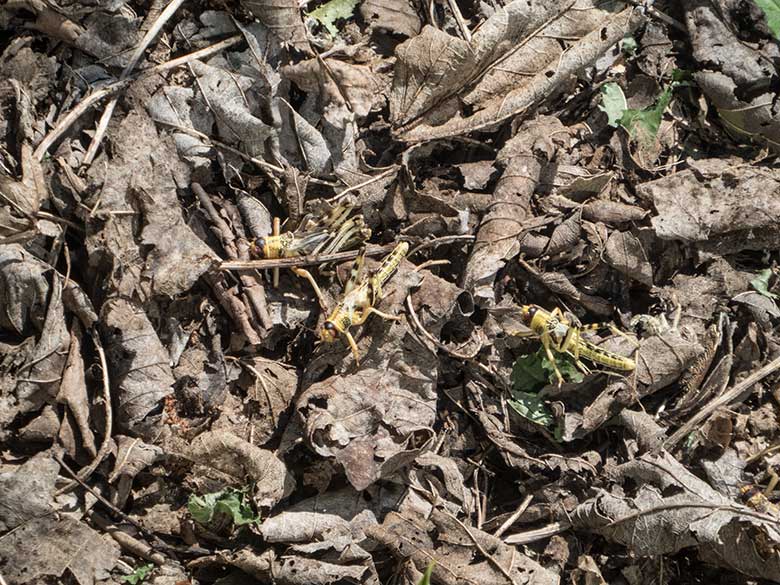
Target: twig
{"points": [[310, 260], [513, 518], [724, 399], [441, 241], [154, 30], [105, 445], [542, 533], [359, 186], [482, 550]]}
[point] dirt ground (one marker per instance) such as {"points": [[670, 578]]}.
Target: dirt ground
{"points": [[389, 291]]}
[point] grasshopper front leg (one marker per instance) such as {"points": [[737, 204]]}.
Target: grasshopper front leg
{"points": [[353, 347], [546, 343], [303, 273]]}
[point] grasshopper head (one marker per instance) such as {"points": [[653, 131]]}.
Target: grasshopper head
{"points": [[329, 332], [257, 247], [527, 313]]}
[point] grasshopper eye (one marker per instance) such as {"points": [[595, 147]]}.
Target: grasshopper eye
{"points": [[259, 246]]}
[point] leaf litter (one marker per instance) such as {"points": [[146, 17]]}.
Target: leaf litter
{"points": [[582, 188]]}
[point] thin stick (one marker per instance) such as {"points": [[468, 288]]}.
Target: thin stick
{"points": [[96, 96], [155, 29], [359, 186], [513, 518], [105, 445], [311, 260], [724, 399]]}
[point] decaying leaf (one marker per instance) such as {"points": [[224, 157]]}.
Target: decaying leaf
{"points": [[624, 252], [720, 208], [242, 462], [58, 545], [283, 19]]}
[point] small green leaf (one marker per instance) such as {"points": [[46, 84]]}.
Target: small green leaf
{"points": [[566, 365], [532, 408], [771, 10], [426, 578], [330, 12], [209, 509], [761, 284], [528, 373], [629, 46], [139, 575], [643, 124], [614, 103]]}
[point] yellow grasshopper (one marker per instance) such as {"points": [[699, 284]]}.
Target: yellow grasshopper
{"points": [[756, 498], [337, 231], [361, 294], [557, 333]]}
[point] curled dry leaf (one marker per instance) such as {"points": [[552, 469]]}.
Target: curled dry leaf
{"points": [[140, 372], [283, 19], [673, 510], [337, 515], [28, 390], [297, 570], [612, 212], [450, 543], [625, 253], [243, 462], [734, 74], [718, 206], [521, 159]]}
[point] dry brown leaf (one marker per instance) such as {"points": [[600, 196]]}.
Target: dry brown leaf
{"points": [[28, 491], [624, 252], [398, 16], [671, 510], [662, 359], [243, 462], [733, 74], [721, 207], [450, 544], [140, 372], [283, 19], [53, 547], [522, 159], [540, 86]]}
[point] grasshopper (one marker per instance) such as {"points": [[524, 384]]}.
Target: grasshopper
{"points": [[337, 231], [756, 498], [361, 293], [557, 333]]}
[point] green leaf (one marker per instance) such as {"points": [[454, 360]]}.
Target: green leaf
{"points": [[426, 578], [330, 12], [209, 509], [771, 10], [528, 372], [138, 575], [629, 46], [566, 365], [761, 284], [532, 408], [643, 124], [613, 103]]}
